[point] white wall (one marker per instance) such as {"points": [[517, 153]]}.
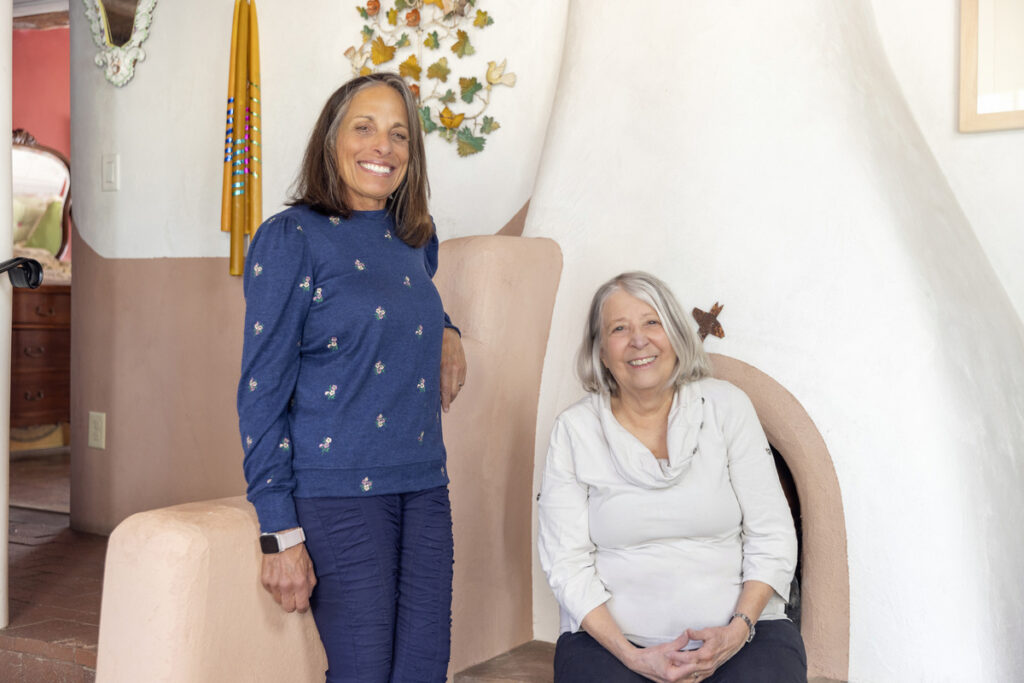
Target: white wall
{"points": [[770, 162], [167, 124], [6, 218], [985, 170]]}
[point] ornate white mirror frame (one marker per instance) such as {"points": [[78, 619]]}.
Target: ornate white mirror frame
{"points": [[118, 61], [980, 33]]}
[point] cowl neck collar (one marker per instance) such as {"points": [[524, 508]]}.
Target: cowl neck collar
{"points": [[634, 462]]}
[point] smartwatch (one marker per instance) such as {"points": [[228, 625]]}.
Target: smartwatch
{"points": [[271, 544]]}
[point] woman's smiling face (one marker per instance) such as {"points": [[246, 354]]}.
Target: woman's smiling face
{"points": [[372, 147], [635, 347]]}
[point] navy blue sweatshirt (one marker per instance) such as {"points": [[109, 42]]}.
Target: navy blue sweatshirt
{"points": [[340, 386]]}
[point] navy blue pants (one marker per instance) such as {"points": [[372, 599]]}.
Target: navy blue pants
{"points": [[775, 655], [382, 602]]}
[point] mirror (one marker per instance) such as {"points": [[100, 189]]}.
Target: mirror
{"points": [[991, 65], [119, 27], [120, 15], [41, 198]]}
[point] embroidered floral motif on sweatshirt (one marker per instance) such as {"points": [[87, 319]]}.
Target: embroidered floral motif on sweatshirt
{"points": [[257, 328], [253, 384], [304, 285], [256, 269], [318, 295], [378, 367], [285, 444], [334, 220], [360, 265], [422, 385], [381, 420], [366, 484], [325, 445], [333, 344], [419, 331], [380, 313], [331, 392], [407, 282]]}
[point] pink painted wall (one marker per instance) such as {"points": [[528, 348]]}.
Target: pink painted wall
{"points": [[42, 82]]}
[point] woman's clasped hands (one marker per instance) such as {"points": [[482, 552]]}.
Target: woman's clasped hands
{"points": [[720, 644], [668, 663]]}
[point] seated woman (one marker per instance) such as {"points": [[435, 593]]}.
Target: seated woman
{"points": [[664, 532]]}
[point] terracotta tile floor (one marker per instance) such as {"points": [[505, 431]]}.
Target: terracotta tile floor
{"points": [[56, 575]]}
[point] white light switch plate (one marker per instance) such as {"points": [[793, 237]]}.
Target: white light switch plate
{"points": [[110, 172], [97, 430]]}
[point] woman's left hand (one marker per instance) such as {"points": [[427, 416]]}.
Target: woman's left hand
{"points": [[720, 644], [453, 367]]}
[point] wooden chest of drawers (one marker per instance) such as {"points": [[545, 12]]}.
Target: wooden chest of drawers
{"points": [[41, 356]]}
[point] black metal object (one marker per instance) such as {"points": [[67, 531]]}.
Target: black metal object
{"points": [[24, 272]]}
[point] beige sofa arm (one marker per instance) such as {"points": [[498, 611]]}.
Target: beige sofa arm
{"points": [[182, 601]]}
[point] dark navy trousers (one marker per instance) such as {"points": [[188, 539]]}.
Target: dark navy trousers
{"points": [[382, 603], [775, 655]]}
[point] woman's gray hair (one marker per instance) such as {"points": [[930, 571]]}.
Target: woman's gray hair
{"points": [[691, 361]]}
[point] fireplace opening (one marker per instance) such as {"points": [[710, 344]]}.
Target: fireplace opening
{"points": [[789, 489], [820, 603]]}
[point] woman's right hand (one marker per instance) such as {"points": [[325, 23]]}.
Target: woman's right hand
{"points": [[289, 577], [654, 662]]}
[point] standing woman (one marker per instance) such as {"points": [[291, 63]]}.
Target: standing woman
{"points": [[348, 361]]}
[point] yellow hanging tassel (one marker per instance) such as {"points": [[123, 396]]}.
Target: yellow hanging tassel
{"points": [[242, 195], [229, 122], [254, 207]]}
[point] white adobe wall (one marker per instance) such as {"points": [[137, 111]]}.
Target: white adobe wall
{"points": [[766, 158], [985, 170], [167, 124]]}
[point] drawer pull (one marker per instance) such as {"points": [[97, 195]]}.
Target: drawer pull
{"points": [[48, 313], [34, 351], [38, 396]]}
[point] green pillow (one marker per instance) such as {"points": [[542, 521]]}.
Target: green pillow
{"points": [[48, 233], [27, 212]]}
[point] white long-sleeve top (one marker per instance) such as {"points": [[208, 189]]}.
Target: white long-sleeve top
{"points": [[665, 545]]}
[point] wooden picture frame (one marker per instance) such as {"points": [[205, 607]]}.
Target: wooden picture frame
{"points": [[970, 120]]}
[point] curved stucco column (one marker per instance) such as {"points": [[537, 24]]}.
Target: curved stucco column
{"points": [[764, 157]]}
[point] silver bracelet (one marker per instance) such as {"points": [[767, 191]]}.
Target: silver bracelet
{"points": [[750, 624]]}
